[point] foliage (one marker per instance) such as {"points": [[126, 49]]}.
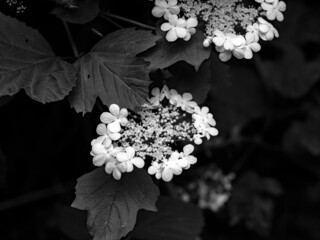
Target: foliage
{"points": [[112, 72], [112, 204], [267, 113]]}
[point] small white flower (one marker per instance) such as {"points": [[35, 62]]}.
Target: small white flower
{"points": [[176, 28], [203, 115], [184, 101], [127, 159], [274, 10], [103, 153], [111, 167], [186, 159], [228, 41], [266, 30], [158, 95], [191, 24], [247, 50], [253, 32], [115, 118], [224, 55], [165, 8]]}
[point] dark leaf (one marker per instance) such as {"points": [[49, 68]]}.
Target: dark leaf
{"points": [[85, 11], [237, 94], [165, 53], [73, 223], [252, 201], [175, 220], [28, 62], [304, 135], [186, 79], [112, 71], [113, 205], [291, 75]]}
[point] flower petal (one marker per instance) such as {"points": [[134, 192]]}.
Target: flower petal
{"points": [[114, 109], [138, 162], [130, 152], [171, 35], [122, 157], [101, 129], [167, 175], [107, 117], [181, 32], [98, 160], [165, 27], [114, 127], [188, 149], [158, 11], [192, 22]]}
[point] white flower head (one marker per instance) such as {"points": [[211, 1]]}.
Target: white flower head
{"points": [[165, 8], [274, 10], [266, 30], [115, 118], [176, 28], [153, 133]]}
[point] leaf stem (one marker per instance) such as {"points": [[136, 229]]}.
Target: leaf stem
{"points": [[113, 22], [71, 40], [106, 15], [35, 196]]}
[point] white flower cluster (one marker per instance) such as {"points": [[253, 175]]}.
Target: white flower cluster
{"points": [[234, 27], [229, 43], [18, 4], [175, 27], [211, 190], [128, 140]]}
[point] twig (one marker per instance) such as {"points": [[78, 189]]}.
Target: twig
{"points": [[71, 40], [97, 32], [35, 196], [110, 15], [113, 22]]}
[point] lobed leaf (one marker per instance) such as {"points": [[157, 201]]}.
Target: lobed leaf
{"points": [[175, 220], [112, 72], [113, 205], [165, 53], [85, 11], [28, 62]]}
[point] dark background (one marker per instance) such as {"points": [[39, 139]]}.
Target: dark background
{"points": [[269, 134]]}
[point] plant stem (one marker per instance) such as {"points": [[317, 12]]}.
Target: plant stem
{"points": [[71, 40], [110, 15], [113, 22]]}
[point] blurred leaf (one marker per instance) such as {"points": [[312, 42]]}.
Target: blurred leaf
{"points": [[186, 79], [304, 134], [251, 201], [175, 220], [73, 223], [237, 94], [291, 75], [85, 11], [113, 205], [3, 170], [28, 62], [165, 53], [112, 71]]}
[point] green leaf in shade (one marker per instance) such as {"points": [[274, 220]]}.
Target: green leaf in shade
{"points": [[28, 62], [85, 11], [186, 79], [175, 220], [237, 94], [291, 75], [304, 135], [113, 205], [165, 53], [112, 72]]}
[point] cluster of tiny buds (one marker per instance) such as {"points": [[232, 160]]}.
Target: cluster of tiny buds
{"points": [[18, 4], [168, 119], [232, 26]]}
